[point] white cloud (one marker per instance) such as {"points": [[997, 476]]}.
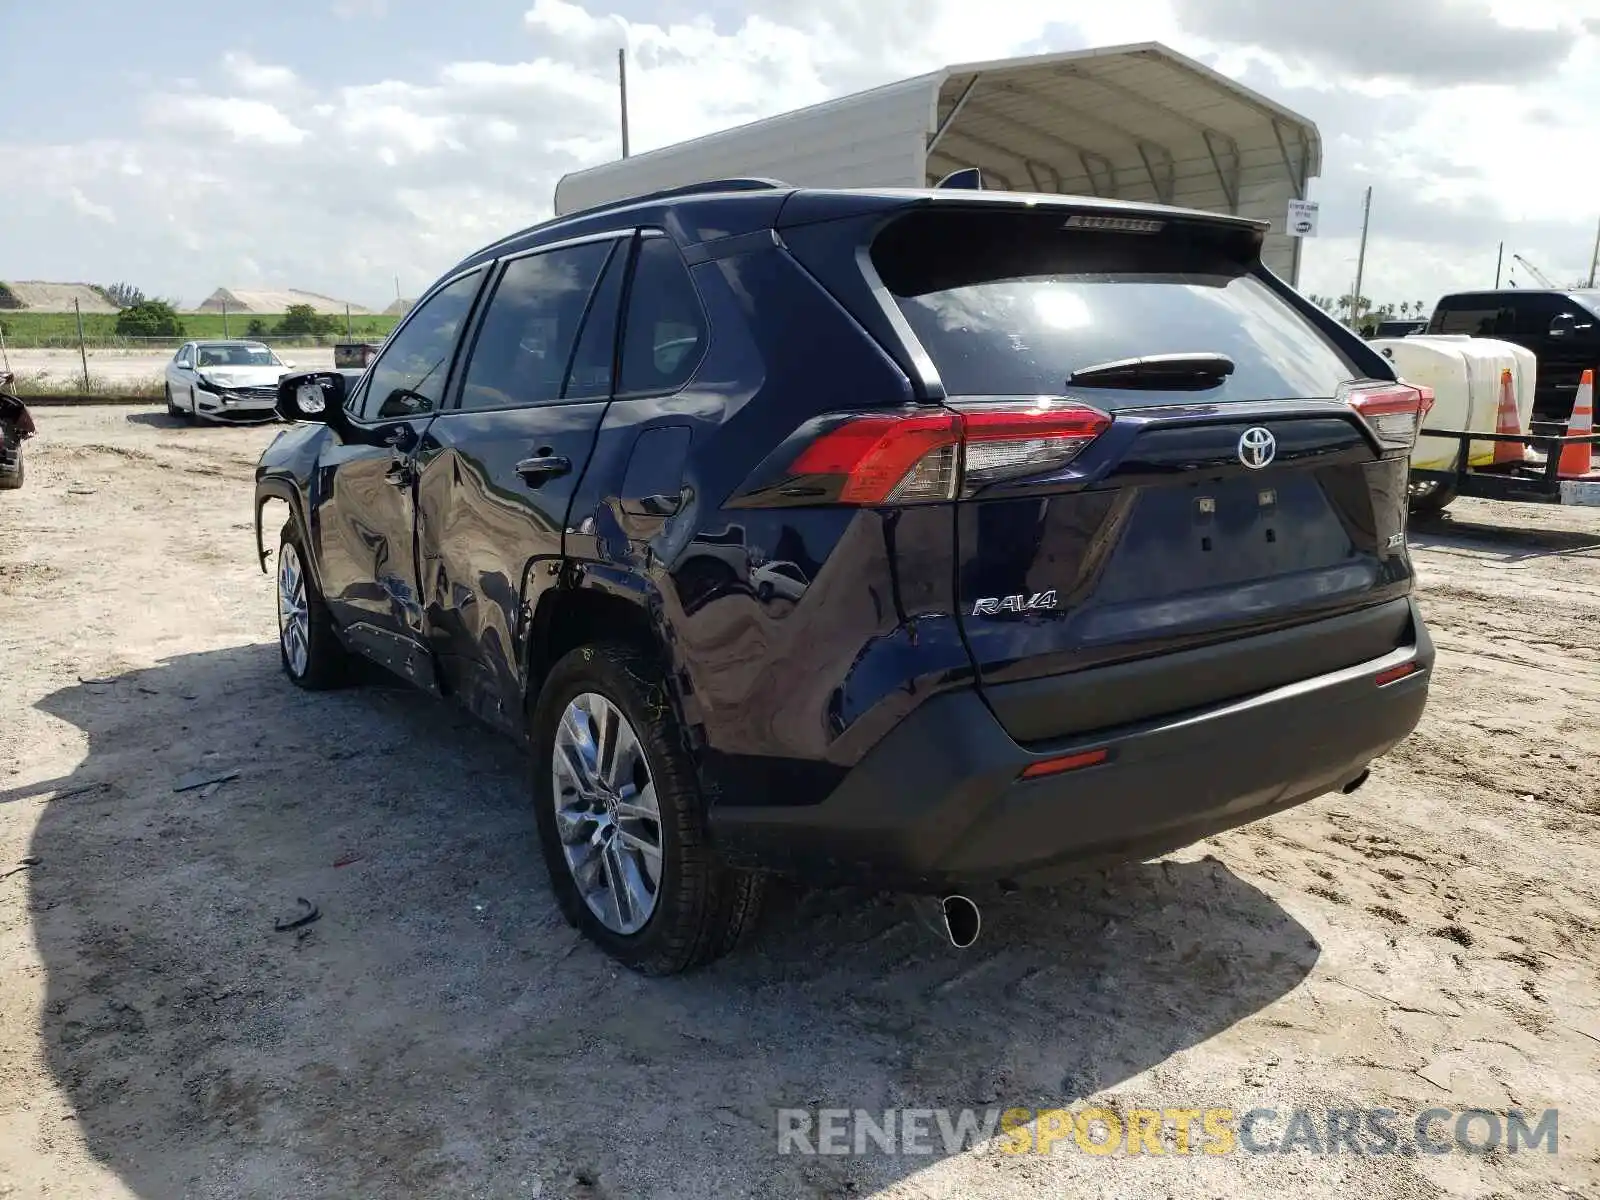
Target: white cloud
{"points": [[255, 174], [89, 208], [258, 77], [242, 120]]}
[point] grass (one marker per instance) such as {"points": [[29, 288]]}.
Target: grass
{"points": [[28, 386], [39, 330]]}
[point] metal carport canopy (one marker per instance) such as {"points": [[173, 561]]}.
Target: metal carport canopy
{"points": [[1139, 122]]}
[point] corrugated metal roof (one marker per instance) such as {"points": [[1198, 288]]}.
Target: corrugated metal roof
{"points": [[1138, 122]]}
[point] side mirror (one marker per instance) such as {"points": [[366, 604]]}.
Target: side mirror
{"points": [[402, 403], [288, 362], [318, 396], [1563, 324], [184, 363]]}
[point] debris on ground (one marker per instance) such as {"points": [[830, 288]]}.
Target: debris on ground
{"points": [[199, 779], [32, 860], [308, 913]]}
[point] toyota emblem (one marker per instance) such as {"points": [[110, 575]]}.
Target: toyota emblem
{"points": [[1257, 447]]}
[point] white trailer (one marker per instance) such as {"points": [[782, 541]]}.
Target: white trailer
{"points": [[1138, 122]]}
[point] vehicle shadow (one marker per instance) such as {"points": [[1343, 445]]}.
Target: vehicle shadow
{"points": [[440, 1030], [1518, 543], [158, 420]]}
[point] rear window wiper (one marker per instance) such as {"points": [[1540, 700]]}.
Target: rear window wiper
{"points": [[1179, 372]]}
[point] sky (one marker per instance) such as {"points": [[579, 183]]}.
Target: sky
{"points": [[341, 146]]}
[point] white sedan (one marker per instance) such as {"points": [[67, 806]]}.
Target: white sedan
{"points": [[224, 381]]}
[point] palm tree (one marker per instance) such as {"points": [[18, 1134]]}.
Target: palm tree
{"points": [[1354, 305]]}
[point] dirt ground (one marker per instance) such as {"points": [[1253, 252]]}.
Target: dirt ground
{"points": [[1430, 940]]}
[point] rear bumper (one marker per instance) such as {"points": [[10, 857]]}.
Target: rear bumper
{"points": [[940, 802]]}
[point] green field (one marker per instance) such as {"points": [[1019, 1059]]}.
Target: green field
{"points": [[30, 330]]}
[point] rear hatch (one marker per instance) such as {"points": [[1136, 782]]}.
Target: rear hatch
{"points": [[1159, 452]]}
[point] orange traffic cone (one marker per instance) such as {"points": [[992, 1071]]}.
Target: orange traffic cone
{"points": [[1578, 458], [1506, 420]]}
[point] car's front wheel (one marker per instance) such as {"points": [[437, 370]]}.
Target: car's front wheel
{"points": [[309, 649], [621, 821], [11, 480]]}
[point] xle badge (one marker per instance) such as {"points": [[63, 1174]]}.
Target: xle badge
{"points": [[992, 605]]}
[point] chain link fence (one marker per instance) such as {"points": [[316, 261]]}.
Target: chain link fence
{"points": [[60, 354]]}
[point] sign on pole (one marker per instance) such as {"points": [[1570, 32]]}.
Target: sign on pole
{"points": [[1302, 220]]}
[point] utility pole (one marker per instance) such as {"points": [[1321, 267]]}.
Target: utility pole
{"points": [[622, 88], [1361, 259], [1498, 260], [82, 353], [1594, 259]]}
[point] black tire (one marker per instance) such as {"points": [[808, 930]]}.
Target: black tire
{"points": [[10, 435], [192, 413], [328, 664], [172, 409], [1432, 499], [703, 909]]}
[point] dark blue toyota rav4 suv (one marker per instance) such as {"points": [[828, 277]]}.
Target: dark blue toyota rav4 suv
{"points": [[921, 539]]}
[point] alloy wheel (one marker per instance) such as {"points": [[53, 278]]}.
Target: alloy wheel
{"points": [[294, 623], [607, 816]]}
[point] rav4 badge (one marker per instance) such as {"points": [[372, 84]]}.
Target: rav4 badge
{"points": [[1022, 602]]}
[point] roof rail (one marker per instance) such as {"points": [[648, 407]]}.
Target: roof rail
{"points": [[705, 187], [739, 183]]}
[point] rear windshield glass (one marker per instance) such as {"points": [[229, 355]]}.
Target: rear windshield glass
{"points": [[227, 354], [1589, 300], [1012, 303]]}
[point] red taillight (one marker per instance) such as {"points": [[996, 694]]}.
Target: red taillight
{"points": [[1393, 411], [904, 458], [875, 455]]}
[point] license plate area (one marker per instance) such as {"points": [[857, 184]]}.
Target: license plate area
{"points": [[1239, 530]]}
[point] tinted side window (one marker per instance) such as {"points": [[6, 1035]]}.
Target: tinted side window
{"points": [[1012, 303], [1531, 315], [664, 333], [409, 376], [522, 351], [595, 360], [1476, 316]]}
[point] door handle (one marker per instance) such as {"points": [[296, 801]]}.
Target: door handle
{"points": [[652, 506], [535, 471]]}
